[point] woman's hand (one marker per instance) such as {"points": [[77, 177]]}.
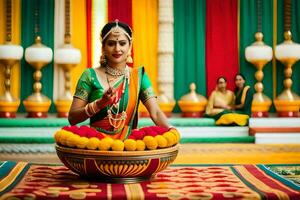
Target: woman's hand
{"points": [[108, 98]]}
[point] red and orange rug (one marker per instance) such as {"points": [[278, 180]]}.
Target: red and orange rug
{"points": [[21, 180]]}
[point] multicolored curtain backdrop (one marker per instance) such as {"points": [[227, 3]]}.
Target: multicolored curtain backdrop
{"points": [[189, 46], [210, 38]]}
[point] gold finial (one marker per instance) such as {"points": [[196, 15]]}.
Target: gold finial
{"points": [[288, 35], [259, 36], [38, 40], [193, 87]]}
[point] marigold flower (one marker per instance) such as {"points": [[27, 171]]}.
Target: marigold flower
{"points": [[150, 142], [140, 145], [161, 141], [81, 143], [130, 145], [170, 138], [92, 143], [117, 145]]}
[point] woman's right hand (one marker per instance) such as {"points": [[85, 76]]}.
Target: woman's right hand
{"points": [[108, 98]]}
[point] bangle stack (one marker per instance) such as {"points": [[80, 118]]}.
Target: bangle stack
{"points": [[91, 109]]}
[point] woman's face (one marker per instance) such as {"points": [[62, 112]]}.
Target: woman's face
{"points": [[116, 49], [221, 85], [239, 81]]}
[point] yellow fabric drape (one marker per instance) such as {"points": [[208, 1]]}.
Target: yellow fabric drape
{"points": [[145, 36], [99, 19], [78, 33], [16, 38]]}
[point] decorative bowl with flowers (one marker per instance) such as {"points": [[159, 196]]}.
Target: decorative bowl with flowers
{"points": [[144, 153]]}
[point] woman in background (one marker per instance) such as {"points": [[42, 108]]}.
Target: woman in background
{"points": [[243, 96], [220, 105], [220, 101]]}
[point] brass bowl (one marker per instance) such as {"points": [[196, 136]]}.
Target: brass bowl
{"points": [[117, 166]]}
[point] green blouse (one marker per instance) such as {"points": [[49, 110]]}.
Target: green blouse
{"points": [[90, 89]]}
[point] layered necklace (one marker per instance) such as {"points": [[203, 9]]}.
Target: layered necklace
{"points": [[115, 119], [115, 72]]}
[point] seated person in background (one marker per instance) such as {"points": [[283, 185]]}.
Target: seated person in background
{"points": [[220, 100], [243, 96], [220, 105]]}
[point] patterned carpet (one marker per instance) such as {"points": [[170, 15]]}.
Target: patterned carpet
{"points": [[21, 180]]}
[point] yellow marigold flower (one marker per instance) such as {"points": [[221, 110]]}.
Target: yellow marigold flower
{"points": [[57, 136], [130, 145], [81, 142], [72, 140], [117, 145], [64, 135], [176, 134], [105, 144], [170, 138], [92, 143], [161, 141], [150, 142], [140, 145]]}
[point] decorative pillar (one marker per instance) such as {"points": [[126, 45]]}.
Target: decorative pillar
{"points": [[287, 103], [10, 54], [66, 57], [166, 56]]}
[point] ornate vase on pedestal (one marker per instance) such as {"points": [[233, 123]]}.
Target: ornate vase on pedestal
{"points": [[192, 104]]}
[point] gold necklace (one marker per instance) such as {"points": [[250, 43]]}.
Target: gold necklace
{"points": [[114, 119], [114, 72]]}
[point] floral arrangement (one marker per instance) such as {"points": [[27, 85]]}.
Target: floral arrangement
{"points": [[147, 138]]}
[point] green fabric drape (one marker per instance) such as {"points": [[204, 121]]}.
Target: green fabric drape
{"points": [[189, 46], [46, 25], [248, 27], [295, 29]]}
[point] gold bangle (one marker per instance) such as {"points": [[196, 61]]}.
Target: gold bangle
{"points": [[86, 108]]}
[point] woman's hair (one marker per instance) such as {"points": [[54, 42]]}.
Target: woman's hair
{"points": [[241, 75], [106, 30], [222, 77]]}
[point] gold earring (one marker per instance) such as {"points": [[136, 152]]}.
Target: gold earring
{"points": [[129, 58], [103, 60]]}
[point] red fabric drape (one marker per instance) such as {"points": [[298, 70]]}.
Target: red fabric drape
{"points": [[121, 10], [221, 42], [89, 32]]}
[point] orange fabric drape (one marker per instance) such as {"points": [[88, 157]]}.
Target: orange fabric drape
{"points": [[78, 14], [145, 42]]}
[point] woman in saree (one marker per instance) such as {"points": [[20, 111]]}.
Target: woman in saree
{"points": [[243, 96], [109, 94], [220, 104]]}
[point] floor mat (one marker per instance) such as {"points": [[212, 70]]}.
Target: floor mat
{"points": [[35, 181]]}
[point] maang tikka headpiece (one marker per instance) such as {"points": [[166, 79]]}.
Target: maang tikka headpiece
{"points": [[116, 31]]}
